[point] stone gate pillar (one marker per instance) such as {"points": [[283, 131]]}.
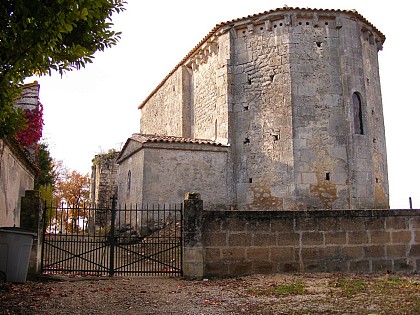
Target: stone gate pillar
{"points": [[32, 208], [193, 260]]}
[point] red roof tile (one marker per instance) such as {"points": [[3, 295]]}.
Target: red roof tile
{"points": [[143, 138]]}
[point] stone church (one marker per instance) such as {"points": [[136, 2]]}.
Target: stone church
{"points": [[279, 110]]}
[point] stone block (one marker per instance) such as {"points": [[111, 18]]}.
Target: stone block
{"points": [[215, 239], [377, 223], [193, 270], [360, 237], [374, 251], [288, 239], [264, 239], [338, 238], [233, 254], [312, 238], [336, 265], [309, 178], [258, 254], [328, 224], [282, 225], [282, 253], [307, 224], [359, 266], [414, 250], [307, 253], [329, 252], [193, 254], [288, 267], [264, 267], [404, 265], [212, 254], [239, 239], [396, 251], [352, 252], [399, 237], [415, 222], [382, 265], [379, 237], [216, 269], [260, 225], [240, 269], [396, 223], [353, 224], [314, 266]]}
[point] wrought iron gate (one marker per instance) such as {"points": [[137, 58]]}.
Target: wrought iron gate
{"points": [[113, 241]]}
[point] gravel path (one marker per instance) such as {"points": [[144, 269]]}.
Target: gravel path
{"points": [[273, 294]]}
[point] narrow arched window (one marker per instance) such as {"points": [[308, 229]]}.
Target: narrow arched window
{"points": [[357, 114], [128, 181]]}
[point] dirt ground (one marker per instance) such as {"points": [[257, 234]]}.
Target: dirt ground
{"points": [[261, 294]]}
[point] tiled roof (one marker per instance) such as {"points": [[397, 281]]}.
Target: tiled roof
{"points": [[254, 16], [143, 138]]}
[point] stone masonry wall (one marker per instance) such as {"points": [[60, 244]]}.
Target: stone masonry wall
{"points": [[210, 91], [251, 242], [163, 113], [263, 139]]}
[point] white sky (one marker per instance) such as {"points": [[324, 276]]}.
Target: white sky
{"points": [[95, 109]]}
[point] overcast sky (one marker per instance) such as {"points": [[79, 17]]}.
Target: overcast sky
{"points": [[95, 109]]}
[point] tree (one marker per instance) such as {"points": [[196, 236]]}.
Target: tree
{"points": [[39, 36], [46, 175], [72, 188]]}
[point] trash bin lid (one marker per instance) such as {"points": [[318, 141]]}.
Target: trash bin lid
{"points": [[17, 230]]}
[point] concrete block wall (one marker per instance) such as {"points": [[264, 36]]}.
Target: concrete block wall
{"points": [[239, 243]]}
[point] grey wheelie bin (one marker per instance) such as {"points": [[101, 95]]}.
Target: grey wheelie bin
{"points": [[15, 251]]}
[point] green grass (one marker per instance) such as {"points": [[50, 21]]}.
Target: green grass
{"points": [[294, 288], [351, 286]]}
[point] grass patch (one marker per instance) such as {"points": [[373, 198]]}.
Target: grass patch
{"points": [[350, 286], [294, 288]]}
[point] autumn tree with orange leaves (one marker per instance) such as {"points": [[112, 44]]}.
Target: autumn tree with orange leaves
{"points": [[71, 188], [71, 194]]}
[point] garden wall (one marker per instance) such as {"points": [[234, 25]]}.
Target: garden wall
{"points": [[236, 243]]}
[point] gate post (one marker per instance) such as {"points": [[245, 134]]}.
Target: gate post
{"points": [[31, 215], [193, 252], [112, 236]]}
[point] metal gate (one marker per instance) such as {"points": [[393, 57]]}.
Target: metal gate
{"points": [[113, 241]]}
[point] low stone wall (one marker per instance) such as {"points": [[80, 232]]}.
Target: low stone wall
{"points": [[236, 243]]}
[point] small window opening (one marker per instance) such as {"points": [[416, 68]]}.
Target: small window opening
{"points": [[300, 23], [249, 81], [250, 180], [307, 23], [261, 28], [319, 44], [374, 140], [246, 107], [246, 140], [357, 114], [128, 181], [275, 25], [326, 23], [377, 180], [281, 24], [276, 137], [243, 32], [272, 77], [327, 176]]}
